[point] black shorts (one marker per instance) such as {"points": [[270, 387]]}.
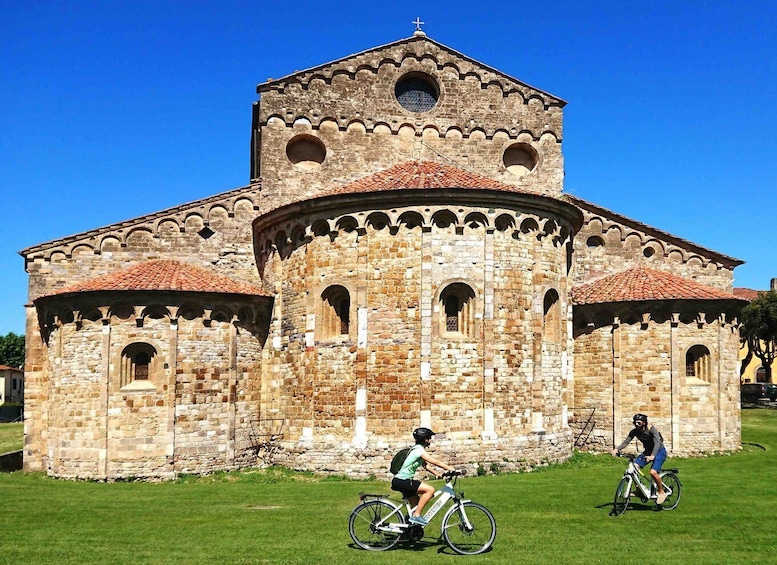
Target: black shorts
{"points": [[408, 487]]}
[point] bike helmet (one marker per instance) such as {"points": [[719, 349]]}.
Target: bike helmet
{"points": [[640, 418], [422, 434]]}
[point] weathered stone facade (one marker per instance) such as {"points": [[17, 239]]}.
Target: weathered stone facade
{"points": [[403, 256]]}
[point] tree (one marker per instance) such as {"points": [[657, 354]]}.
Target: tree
{"points": [[12, 350], [759, 329]]}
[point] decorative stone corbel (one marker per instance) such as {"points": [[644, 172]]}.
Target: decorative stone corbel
{"points": [[675, 319], [645, 320]]}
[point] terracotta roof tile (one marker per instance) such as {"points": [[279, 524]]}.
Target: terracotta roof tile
{"points": [[422, 174], [640, 284], [7, 368], [164, 275], [747, 293]]}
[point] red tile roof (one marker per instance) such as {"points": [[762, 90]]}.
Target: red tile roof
{"points": [[7, 368], [422, 174], [164, 275], [639, 284], [747, 293]]}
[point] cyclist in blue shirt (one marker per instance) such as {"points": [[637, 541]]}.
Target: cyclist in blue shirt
{"points": [[417, 492], [653, 444]]}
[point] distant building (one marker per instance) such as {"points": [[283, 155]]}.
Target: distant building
{"points": [[11, 385], [753, 370], [404, 254]]}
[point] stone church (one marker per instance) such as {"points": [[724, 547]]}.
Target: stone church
{"points": [[404, 254]]}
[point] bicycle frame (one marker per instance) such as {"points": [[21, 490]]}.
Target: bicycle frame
{"points": [[635, 474], [439, 499]]}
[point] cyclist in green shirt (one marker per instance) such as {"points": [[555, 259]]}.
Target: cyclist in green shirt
{"points": [[417, 492]]}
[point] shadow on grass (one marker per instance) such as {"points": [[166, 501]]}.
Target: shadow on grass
{"points": [[420, 545]]}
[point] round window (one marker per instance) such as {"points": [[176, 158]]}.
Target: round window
{"points": [[520, 159], [417, 92], [306, 152]]}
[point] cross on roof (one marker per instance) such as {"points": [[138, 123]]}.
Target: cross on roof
{"points": [[418, 23]]}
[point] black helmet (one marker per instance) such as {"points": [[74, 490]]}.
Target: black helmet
{"points": [[422, 434], [640, 418]]}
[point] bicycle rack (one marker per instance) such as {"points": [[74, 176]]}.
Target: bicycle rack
{"points": [[264, 436], [586, 430]]}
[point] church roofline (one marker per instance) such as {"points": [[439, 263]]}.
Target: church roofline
{"points": [[727, 260], [145, 218], [162, 276], [267, 85], [427, 181], [640, 284]]}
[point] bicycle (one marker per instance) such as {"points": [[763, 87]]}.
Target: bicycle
{"points": [[632, 485], [378, 523]]}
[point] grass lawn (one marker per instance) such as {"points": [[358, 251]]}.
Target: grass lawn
{"points": [[559, 515], [11, 437]]}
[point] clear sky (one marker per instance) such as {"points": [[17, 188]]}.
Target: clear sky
{"points": [[110, 109]]}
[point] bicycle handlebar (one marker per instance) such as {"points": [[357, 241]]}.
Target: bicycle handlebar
{"points": [[451, 474]]}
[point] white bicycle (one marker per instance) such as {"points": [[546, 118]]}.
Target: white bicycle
{"points": [[632, 485], [378, 523]]}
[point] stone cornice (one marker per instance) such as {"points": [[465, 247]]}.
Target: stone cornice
{"points": [[151, 222]]}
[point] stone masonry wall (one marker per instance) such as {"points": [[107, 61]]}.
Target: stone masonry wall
{"points": [[397, 367], [633, 367], [351, 111], [605, 246]]}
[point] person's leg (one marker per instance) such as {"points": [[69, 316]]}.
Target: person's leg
{"points": [[655, 470], [425, 494]]}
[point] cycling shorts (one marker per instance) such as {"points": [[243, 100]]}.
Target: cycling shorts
{"points": [[658, 462], [408, 487]]}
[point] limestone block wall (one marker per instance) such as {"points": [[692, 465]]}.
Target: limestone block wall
{"points": [[609, 243], [632, 366], [351, 116], [213, 232], [350, 399]]}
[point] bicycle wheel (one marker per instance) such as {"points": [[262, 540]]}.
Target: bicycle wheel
{"points": [[373, 525], [671, 484], [472, 539], [622, 493]]}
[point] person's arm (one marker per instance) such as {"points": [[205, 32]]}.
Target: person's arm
{"points": [[657, 443], [434, 461], [623, 444]]}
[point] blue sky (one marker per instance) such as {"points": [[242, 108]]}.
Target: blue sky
{"points": [[111, 110]]}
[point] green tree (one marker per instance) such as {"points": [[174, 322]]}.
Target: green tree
{"points": [[759, 329], [12, 350]]}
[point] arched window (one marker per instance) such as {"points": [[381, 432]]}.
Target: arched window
{"points": [[458, 309], [335, 319], [138, 362], [551, 317], [760, 375], [698, 363]]}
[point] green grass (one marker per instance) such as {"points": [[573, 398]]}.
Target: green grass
{"points": [[11, 437], [559, 515]]}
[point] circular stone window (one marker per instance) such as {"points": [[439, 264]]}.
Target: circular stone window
{"points": [[306, 152], [417, 92], [520, 159]]}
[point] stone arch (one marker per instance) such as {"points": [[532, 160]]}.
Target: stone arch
{"points": [[444, 219], [333, 312], [505, 222], [698, 363], [456, 301], [476, 220], [139, 365], [378, 221], [320, 227], [551, 316], [347, 224], [410, 220]]}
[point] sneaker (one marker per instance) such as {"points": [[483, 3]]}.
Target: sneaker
{"points": [[419, 521], [661, 498]]}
